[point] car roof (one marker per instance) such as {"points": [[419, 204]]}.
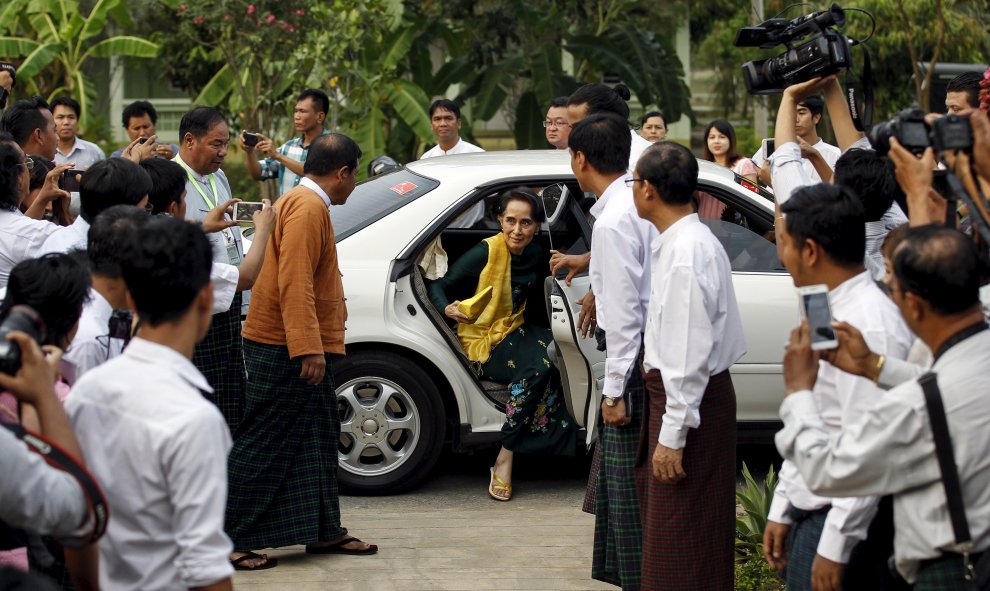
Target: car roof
{"points": [[481, 168]]}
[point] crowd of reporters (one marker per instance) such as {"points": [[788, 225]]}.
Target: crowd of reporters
{"points": [[904, 265]]}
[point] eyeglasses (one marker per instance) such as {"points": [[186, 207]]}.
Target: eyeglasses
{"points": [[555, 124], [28, 164], [630, 181]]}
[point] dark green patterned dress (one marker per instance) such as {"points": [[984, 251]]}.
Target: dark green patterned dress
{"points": [[535, 418]]}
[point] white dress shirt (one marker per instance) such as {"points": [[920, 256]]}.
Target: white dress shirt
{"points": [[75, 236], [227, 246], [477, 211], [38, 497], [636, 148], [92, 345], [876, 232], [620, 280], [82, 155], [829, 153], [21, 239], [224, 278], [461, 147], [842, 399], [159, 448], [891, 450], [693, 306]]}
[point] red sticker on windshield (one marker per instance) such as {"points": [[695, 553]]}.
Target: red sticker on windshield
{"points": [[403, 188]]}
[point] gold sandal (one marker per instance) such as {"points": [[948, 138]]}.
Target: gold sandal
{"points": [[497, 484]]}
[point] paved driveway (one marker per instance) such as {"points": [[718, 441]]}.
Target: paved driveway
{"points": [[450, 535]]}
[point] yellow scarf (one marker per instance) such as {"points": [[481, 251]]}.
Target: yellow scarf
{"points": [[496, 321]]}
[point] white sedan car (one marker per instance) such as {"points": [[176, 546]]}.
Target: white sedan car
{"points": [[405, 388]]}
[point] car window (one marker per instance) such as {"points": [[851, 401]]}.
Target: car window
{"points": [[749, 241], [377, 197]]}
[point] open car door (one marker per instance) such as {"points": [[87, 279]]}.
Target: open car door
{"points": [[581, 364]]}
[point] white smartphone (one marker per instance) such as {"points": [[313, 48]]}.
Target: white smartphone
{"points": [[768, 146], [815, 307], [244, 211]]}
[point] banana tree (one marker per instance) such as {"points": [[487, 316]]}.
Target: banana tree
{"points": [[57, 41]]}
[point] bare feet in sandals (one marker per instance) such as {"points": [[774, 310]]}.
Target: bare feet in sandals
{"points": [[251, 561], [343, 545]]}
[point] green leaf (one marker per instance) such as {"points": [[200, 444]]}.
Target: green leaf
{"points": [[97, 20], [397, 45], [123, 46], [453, 72], [528, 131], [412, 105], [80, 92], [491, 92], [17, 46], [38, 59], [217, 88], [370, 133], [647, 64], [544, 64], [11, 13]]}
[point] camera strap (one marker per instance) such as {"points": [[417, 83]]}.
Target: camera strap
{"points": [[860, 103], [58, 458], [947, 467]]}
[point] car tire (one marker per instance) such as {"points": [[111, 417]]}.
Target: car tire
{"points": [[392, 423]]}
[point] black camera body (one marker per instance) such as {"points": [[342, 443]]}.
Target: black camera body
{"points": [[120, 324], [23, 319], [951, 132], [825, 53]]}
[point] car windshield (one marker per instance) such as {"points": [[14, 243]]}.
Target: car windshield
{"points": [[377, 197]]}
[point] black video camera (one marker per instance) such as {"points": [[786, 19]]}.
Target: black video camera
{"points": [[23, 319], [825, 53], [951, 132]]}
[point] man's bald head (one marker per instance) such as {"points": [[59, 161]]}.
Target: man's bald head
{"points": [[939, 265]]}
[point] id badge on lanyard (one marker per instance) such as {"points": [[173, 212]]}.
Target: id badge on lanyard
{"points": [[229, 240]]}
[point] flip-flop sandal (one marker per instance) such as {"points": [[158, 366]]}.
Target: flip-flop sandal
{"points": [[338, 548], [238, 563], [497, 484]]}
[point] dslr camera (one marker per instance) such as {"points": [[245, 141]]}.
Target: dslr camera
{"points": [[951, 132], [23, 319], [826, 52]]}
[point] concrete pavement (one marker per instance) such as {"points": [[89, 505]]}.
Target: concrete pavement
{"points": [[448, 535]]}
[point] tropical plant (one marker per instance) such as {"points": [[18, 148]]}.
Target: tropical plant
{"points": [[519, 48], [914, 32], [58, 40], [755, 498], [752, 572]]}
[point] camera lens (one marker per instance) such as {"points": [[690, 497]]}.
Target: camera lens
{"points": [[22, 319]]}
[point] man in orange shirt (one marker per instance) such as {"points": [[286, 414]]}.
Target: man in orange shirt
{"points": [[283, 467]]}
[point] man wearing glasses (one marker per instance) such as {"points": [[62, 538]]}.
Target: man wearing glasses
{"points": [[556, 125]]}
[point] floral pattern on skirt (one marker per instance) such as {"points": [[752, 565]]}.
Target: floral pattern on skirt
{"points": [[535, 419]]}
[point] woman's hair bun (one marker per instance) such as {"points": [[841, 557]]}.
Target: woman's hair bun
{"points": [[623, 91]]}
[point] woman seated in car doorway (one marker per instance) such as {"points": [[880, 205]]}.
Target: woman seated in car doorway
{"points": [[496, 336]]}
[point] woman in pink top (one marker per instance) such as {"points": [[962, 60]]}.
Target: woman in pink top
{"points": [[720, 148], [55, 286]]}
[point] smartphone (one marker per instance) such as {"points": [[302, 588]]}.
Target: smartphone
{"points": [[815, 307], [250, 139], [69, 181], [768, 147], [244, 211]]}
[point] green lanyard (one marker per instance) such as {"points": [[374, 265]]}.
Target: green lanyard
{"points": [[213, 186]]}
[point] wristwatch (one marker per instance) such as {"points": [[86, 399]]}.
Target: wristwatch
{"points": [[610, 402]]}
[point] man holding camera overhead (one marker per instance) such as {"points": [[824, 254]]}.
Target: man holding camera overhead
{"points": [[286, 162], [821, 237]]}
